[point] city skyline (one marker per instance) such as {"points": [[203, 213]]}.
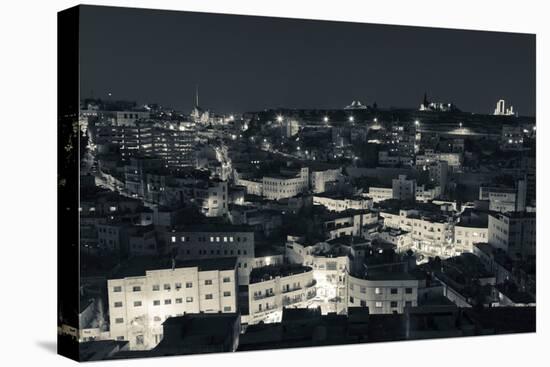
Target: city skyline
{"points": [[271, 68]]}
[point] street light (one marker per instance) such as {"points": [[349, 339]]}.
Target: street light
{"points": [[351, 119], [375, 119], [279, 118], [460, 124], [416, 122], [325, 119]]}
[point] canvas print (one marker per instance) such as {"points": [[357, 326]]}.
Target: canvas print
{"points": [[234, 183]]}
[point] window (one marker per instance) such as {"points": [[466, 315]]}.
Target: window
{"points": [[167, 287], [208, 282], [177, 286], [156, 287], [393, 304], [408, 304], [378, 290], [351, 300], [227, 309], [393, 291], [119, 320], [188, 285], [140, 340], [226, 294], [363, 303], [188, 299], [179, 300], [137, 303], [363, 290], [378, 305], [182, 238], [208, 296], [226, 279], [156, 302], [408, 290], [117, 289], [157, 318], [167, 301], [119, 338], [136, 288], [118, 304], [173, 239]]}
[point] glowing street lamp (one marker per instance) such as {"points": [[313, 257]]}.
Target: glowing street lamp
{"points": [[351, 119], [325, 119], [279, 118], [460, 124], [375, 119], [416, 122]]}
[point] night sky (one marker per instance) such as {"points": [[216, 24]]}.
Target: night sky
{"points": [[246, 63]]}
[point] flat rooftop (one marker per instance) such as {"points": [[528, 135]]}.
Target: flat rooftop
{"points": [[272, 271], [137, 266]]}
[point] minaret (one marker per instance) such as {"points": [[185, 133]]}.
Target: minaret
{"points": [[197, 95]]}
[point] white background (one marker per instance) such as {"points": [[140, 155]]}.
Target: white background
{"points": [[28, 181]]}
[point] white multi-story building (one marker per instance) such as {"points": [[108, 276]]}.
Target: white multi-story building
{"points": [[210, 242], [285, 186], [349, 223], [466, 235], [320, 178], [431, 234], [331, 264], [210, 197], [275, 287], [424, 194], [383, 293], [379, 194], [505, 198], [454, 160], [340, 203], [513, 232], [144, 293]]}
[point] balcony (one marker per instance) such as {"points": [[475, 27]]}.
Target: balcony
{"points": [[263, 296]]}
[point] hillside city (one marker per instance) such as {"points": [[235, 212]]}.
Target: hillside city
{"points": [[203, 231]]}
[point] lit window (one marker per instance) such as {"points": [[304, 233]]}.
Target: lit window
{"points": [[182, 238], [377, 291], [378, 305], [173, 239]]}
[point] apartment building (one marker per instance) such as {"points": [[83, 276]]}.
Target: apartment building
{"points": [[213, 241], [513, 232], [145, 292], [275, 287], [384, 292]]}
